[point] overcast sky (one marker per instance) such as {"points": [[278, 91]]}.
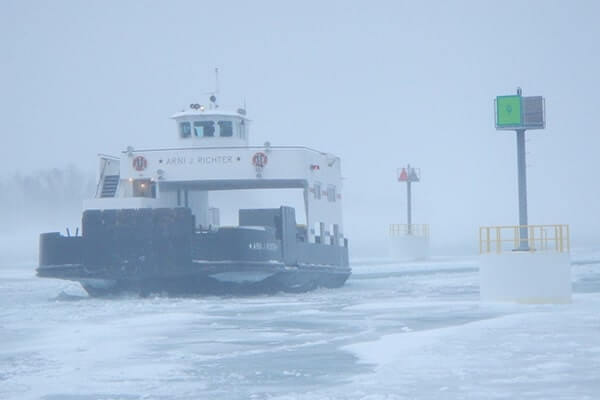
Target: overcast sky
{"points": [[381, 84]]}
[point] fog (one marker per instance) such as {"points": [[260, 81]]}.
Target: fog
{"points": [[381, 84]]}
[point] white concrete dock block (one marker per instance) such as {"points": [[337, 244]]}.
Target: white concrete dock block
{"points": [[409, 247], [526, 277]]}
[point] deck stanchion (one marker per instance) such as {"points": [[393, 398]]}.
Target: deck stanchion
{"points": [[482, 241], [560, 238], [498, 241], [531, 238]]}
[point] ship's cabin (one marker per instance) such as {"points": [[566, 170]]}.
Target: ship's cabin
{"points": [[213, 164], [201, 127]]}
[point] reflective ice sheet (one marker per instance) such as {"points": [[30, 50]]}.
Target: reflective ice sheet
{"points": [[394, 331]]}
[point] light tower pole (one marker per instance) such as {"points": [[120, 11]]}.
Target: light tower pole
{"points": [[522, 171], [408, 175], [408, 208]]}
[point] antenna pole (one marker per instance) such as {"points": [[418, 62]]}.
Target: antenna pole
{"points": [[216, 81]]}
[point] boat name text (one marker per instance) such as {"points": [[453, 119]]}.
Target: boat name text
{"points": [[262, 246], [202, 160]]}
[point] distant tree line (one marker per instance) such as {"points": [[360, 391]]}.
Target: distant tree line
{"points": [[43, 195]]}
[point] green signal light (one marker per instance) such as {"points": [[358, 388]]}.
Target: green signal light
{"points": [[508, 111]]}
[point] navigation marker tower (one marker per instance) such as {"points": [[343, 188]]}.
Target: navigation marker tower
{"points": [[409, 241], [518, 113], [524, 263], [408, 175]]}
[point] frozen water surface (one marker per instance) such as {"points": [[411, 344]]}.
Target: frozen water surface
{"points": [[394, 331]]}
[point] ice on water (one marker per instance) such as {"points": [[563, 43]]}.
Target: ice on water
{"points": [[395, 331]]}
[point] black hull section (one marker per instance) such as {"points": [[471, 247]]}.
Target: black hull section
{"points": [[147, 252], [268, 280]]}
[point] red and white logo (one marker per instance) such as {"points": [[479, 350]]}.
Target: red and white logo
{"points": [[260, 159], [140, 163]]}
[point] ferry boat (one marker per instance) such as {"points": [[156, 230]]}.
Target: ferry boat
{"points": [[152, 228]]}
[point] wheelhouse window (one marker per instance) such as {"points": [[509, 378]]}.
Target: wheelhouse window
{"points": [[225, 128], [204, 128], [331, 193], [185, 129], [317, 191]]}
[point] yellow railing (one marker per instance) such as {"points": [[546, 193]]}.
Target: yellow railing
{"points": [[498, 239], [413, 229]]}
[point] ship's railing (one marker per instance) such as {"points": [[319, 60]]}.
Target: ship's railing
{"points": [[499, 239], [412, 229], [233, 148]]}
